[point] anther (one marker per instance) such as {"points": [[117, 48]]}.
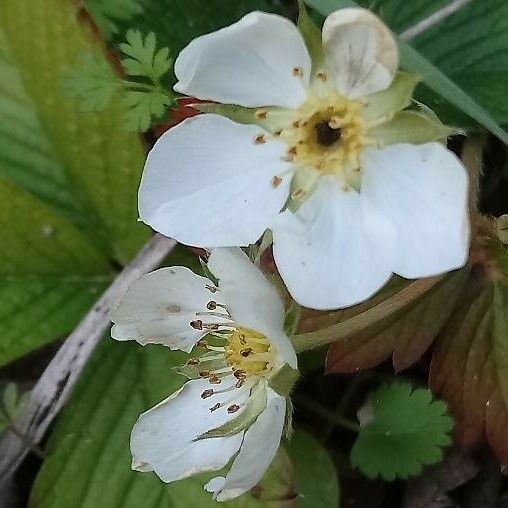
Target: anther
{"points": [[261, 113], [197, 324], [276, 181], [246, 352], [321, 75], [202, 343], [260, 139], [233, 408], [292, 152], [277, 132], [296, 124], [206, 394], [297, 71], [204, 373], [297, 193], [240, 374], [211, 305], [192, 361], [214, 408], [215, 380], [212, 289]]}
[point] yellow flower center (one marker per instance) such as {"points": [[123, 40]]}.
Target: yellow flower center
{"points": [[248, 353], [327, 134]]}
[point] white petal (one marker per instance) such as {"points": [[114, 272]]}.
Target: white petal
{"points": [[250, 63], [251, 299], [361, 52], [422, 190], [323, 253], [206, 183], [259, 448], [159, 307], [162, 439]]}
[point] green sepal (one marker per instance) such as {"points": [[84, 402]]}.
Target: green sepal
{"points": [[256, 404], [410, 127], [292, 318], [395, 98], [269, 118], [312, 36], [283, 380]]}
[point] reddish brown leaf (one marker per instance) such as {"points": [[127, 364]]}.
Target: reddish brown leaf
{"points": [[406, 334]]}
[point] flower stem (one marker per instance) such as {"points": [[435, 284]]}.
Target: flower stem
{"points": [[325, 413]]}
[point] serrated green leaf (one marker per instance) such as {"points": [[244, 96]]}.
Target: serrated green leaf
{"points": [[436, 79], [316, 481], [144, 59], [142, 107], [401, 429], [83, 164], [92, 82], [89, 447]]}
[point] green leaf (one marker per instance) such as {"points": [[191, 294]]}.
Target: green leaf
{"points": [[401, 429], [89, 447], [49, 275], [316, 480], [92, 82], [142, 107], [84, 165], [144, 59], [412, 61], [107, 13]]}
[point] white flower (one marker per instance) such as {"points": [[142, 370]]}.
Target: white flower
{"points": [[234, 406], [321, 150]]}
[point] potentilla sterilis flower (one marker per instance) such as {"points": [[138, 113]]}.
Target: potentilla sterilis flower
{"points": [[234, 405], [315, 142]]}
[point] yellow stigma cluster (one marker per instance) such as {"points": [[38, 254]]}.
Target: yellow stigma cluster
{"points": [[248, 352]]}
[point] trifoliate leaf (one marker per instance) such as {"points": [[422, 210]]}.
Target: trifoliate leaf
{"points": [[107, 13], [144, 60], [401, 429], [142, 106], [92, 82]]}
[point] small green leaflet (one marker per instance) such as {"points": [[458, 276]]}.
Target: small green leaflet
{"points": [[401, 430], [143, 59], [94, 83], [107, 13]]}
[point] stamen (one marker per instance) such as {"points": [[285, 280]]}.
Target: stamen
{"points": [[215, 380], [197, 324], [322, 76], [204, 373], [212, 289], [214, 408], [260, 139], [216, 348], [277, 132], [211, 305], [276, 181], [206, 394], [246, 352], [297, 71], [261, 113], [233, 408], [192, 361], [240, 374], [202, 343]]}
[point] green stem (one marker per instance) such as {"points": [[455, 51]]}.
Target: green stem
{"points": [[361, 322], [325, 413]]}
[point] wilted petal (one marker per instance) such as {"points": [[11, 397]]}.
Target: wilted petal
{"points": [[159, 307], [361, 52], [250, 63], [323, 253], [258, 449], [206, 183], [163, 439], [422, 190], [250, 298]]}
